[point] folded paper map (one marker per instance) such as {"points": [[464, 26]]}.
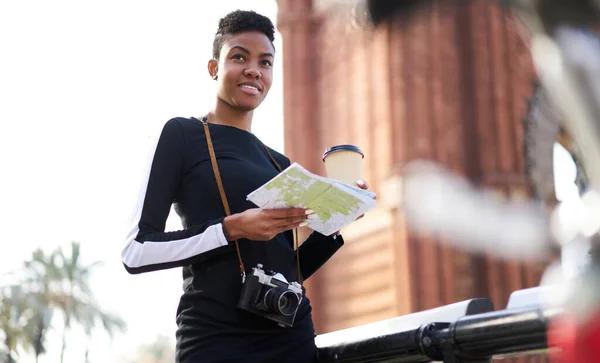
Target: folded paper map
{"points": [[335, 204]]}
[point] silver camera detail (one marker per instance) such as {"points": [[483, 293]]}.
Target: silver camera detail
{"points": [[269, 294], [266, 279]]}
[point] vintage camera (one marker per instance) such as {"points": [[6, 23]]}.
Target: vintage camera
{"points": [[268, 294]]}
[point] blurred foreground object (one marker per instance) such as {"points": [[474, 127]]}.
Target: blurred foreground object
{"points": [[577, 332], [553, 12], [381, 10], [435, 200], [577, 344]]}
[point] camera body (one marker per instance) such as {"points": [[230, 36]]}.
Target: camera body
{"points": [[270, 295]]}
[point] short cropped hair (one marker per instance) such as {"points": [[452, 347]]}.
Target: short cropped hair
{"points": [[241, 21]]}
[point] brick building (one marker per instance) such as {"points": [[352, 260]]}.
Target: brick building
{"points": [[450, 86]]}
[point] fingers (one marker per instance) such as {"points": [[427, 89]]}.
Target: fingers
{"points": [[280, 220], [292, 221], [287, 213], [288, 226], [362, 184]]}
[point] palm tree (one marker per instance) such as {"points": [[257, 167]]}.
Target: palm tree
{"points": [[43, 282], [80, 306], [48, 283], [37, 328], [75, 286], [89, 315], [14, 311]]}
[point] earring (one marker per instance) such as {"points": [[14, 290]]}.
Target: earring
{"points": [[215, 77]]}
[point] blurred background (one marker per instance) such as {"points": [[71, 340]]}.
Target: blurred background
{"points": [[83, 86]]}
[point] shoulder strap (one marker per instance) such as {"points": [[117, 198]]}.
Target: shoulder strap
{"points": [[215, 167]]}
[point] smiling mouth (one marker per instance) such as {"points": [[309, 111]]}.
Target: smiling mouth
{"points": [[248, 86], [250, 89]]}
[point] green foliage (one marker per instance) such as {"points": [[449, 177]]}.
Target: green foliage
{"points": [[15, 313], [50, 285]]}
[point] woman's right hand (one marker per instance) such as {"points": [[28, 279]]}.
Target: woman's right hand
{"points": [[264, 224]]}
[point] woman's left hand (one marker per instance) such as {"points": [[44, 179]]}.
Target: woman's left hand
{"points": [[362, 184]]}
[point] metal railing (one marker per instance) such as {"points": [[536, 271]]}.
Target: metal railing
{"points": [[468, 331]]}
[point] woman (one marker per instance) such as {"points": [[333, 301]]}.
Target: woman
{"points": [[210, 326]]}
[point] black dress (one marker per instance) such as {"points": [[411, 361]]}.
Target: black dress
{"points": [[210, 327]]}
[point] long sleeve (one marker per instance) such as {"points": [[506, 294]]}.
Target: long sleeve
{"points": [[148, 247], [316, 250]]}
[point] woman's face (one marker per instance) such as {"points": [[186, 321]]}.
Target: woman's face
{"points": [[244, 70]]}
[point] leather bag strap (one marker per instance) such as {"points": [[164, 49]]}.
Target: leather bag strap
{"points": [[215, 167]]}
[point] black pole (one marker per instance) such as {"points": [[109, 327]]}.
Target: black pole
{"points": [[483, 336], [504, 332], [466, 339], [401, 347], [402, 343]]}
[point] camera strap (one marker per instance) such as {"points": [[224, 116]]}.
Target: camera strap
{"points": [[215, 167]]}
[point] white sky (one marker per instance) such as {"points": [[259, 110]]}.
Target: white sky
{"points": [[83, 84]]}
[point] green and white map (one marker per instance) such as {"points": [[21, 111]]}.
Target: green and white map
{"points": [[335, 204]]}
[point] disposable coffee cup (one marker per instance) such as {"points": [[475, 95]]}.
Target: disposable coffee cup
{"points": [[344, 163]]}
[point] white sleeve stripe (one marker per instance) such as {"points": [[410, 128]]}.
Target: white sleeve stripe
{"points": [[138, 254]]}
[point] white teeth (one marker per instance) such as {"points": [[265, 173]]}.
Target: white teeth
{"points": [[248, 86]]}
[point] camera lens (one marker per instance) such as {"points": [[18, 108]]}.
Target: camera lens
{"points": [[281, 301]]}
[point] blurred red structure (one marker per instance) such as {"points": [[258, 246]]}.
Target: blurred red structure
{"points": [[451, 86], [575, 343]]}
